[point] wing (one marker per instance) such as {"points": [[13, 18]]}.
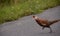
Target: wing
{"points": [[43, 22]]}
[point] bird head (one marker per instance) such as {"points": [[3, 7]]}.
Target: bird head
{"points": [[35, 17]]}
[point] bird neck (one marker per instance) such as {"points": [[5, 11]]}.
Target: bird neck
{"points": [[36, 18]]}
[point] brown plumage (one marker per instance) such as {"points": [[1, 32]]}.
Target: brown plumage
{"points": [[45, 23]]}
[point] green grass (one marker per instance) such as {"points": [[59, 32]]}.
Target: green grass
{"points": [[13, 12]]}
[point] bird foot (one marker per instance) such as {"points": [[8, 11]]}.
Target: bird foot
{"points": [[50, 32]]}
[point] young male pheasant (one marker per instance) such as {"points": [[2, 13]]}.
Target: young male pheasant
{"points": [[45, 23]]}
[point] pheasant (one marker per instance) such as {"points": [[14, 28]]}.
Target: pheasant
{"points": [[45, 23]]}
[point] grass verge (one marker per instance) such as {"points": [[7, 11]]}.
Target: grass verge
{"points": [[13, 12]]}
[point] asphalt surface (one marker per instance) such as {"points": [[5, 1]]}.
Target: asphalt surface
{"points": [[26, 26]]}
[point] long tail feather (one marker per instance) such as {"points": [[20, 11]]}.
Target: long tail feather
{"points": [[52, 22]]}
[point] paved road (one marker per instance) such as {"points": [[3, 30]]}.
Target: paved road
{"points": [[26, 26]]}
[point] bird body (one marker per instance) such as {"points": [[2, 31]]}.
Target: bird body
{"points": [[45, 23]]}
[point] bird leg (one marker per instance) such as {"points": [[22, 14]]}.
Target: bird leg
{"points": [[42, 28], [50, 30]]}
